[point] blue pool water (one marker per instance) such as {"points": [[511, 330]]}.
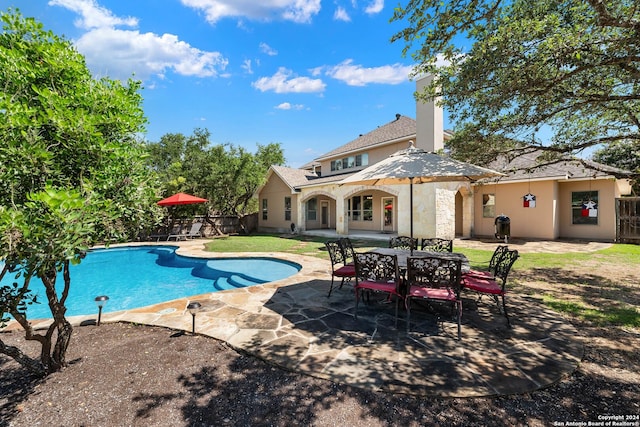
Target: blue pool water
{"points": [[139, 276]]}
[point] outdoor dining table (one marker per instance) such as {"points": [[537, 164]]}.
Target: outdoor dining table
{"points": [[404, 254]]}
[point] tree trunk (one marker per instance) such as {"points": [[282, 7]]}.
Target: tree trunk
{"points": [[58, 357]]}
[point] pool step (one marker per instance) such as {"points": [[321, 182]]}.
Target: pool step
{"points": [[234, 282]]}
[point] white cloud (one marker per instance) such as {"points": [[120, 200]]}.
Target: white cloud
{"points": [[341, 15], [93, 15], [357, 75], [265, 48], [374, 7], [246, 66], [288, 106], [120, 53], [291, 10], [283, 82], [316, 71]]}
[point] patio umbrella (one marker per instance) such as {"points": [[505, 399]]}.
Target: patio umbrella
{"points": [[181, 199], [415, 165]]}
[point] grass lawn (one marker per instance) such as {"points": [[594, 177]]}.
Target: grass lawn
{"points": [[599, 287]]}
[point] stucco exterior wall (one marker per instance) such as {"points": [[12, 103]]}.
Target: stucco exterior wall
{"points": [[606, 227], [375, 155], [538, 222], [430, 122], [552, 216], [275, 190]]}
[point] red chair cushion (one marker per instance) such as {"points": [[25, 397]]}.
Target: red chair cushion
{"points": [[345, 271], [432, 293], [486, 286], [479, 274], [377, 286]]}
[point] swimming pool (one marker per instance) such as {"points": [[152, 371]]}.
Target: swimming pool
{"points": [[138, 276]]}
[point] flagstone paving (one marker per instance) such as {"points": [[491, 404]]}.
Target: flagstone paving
{"points": [[292, 324]]}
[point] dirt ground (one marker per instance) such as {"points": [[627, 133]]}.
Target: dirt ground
{"points": [[133, 375]]}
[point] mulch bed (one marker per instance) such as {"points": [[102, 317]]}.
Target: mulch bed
{"points": [[124, 374]]}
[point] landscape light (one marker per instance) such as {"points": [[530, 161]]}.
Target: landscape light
{"points": [[100, 302], [193, 308]]}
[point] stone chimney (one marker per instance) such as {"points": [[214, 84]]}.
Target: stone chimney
{"points": [[430, 121]]}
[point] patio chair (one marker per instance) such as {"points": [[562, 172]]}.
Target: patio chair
{"points": [[436, 244], [403, 242], [164, 232], [348, 251], [490, 271], [338, 266], [494, 287], [193, 232], [378, 273], [434, 279]]}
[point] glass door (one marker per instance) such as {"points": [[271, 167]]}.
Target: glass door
{"points": [[388, 207]]}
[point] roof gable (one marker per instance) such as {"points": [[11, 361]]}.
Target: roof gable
{"points": [[293, 177]]}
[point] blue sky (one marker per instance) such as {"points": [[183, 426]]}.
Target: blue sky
{"points": [[309, 74]]}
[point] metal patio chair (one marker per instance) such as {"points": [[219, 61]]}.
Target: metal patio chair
{"points": [[496, 287], [378, 273], [339, 268], [403, 242], [434, 279], [436, 244], [490, 271]]}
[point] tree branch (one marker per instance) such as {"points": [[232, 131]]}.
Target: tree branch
{"points": [[607, 19]]}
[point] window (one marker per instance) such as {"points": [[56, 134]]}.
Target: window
{"points": [[488, 205], [356, 208], [360, 208], [362, 160], [312, 208], [350, 162], [264, 209], [584, 207], [287, 208], [367, 208]]}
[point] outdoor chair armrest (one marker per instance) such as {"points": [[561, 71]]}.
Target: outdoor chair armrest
{"points": [[483, 285]]}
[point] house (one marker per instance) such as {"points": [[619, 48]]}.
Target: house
{"points": [[567, 199], [315, 196]]}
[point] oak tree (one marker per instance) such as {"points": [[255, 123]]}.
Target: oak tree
{"points": [[561, 76], [225, 174]]}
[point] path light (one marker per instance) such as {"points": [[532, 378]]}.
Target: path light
{"points": [[193, 308], [100, 302]]}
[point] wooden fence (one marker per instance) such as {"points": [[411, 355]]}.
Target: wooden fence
{"points": [[221, 225], [628, 220], [212, 226]]}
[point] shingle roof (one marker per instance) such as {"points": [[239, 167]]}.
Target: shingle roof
{"points": [[296, 178], [401, 127], [524, 167], [293, 177]]}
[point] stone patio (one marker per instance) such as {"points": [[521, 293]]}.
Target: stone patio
{"points": [[292, 324]]}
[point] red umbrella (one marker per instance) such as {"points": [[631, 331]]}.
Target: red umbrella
{"points": [[181, 199]]}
